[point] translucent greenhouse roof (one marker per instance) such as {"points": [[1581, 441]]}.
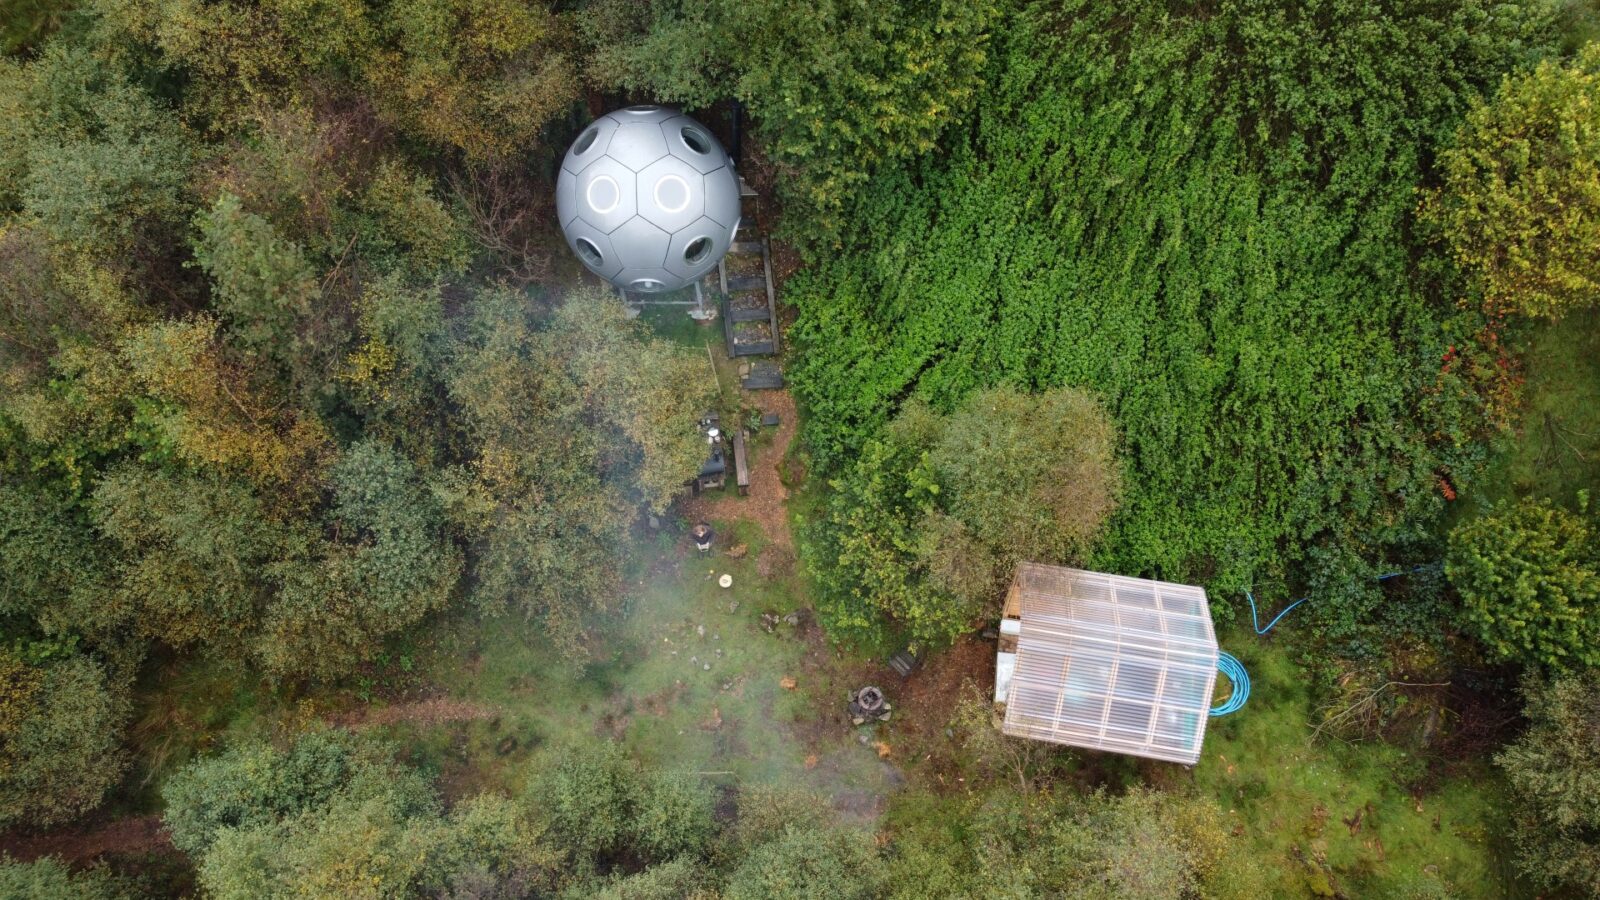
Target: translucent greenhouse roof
{"points": [[1106, 662]]}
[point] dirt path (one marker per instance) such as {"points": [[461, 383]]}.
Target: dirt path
{"points": [[82, 845], [765, 503]]}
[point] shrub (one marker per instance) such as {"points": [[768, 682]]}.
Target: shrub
{"points": [[1520, 204], [1554, 770], [1529, 583], [60, 733], [807, 862], [605, 810], [256, 785], [929, 521], [51, 879]]}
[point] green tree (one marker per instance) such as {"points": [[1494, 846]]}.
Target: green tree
{"points": [[104, 166], [264, 287], [333, 815], [568, 440], [1520, 203], [255, 785], [929, 522], [1529, 580], [193, 552], [808, 862], [604, 809], [1554, 770], [1033, 476], [61, 727], [392, 564]]}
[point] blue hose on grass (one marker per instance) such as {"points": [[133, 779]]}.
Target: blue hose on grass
{"points": [[1228, 665]]}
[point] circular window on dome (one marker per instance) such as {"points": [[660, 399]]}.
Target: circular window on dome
{"points": [[698, 251], [641, 109], [696, 140], [589, 253], [645, 285], [585, 141]]}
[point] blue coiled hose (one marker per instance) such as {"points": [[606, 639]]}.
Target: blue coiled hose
{"points": [[1228, 665]]}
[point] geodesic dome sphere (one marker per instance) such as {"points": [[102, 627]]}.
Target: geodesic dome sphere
{"points": [[647, 199]]}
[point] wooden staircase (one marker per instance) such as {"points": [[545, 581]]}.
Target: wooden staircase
{"points": [[750, 300]]}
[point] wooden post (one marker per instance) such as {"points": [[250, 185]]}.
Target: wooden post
{"points": [[741, 463]]}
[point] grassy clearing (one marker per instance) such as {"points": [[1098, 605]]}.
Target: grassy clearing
{"points": [[692, 683], [1331, 816], [1555, 450]]}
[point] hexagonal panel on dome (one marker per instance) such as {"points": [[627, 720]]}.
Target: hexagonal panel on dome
{"points": [[637, 144], [605, 194], [639, 244], [689, 141], [594, 248], [722, 196], [566, 197], [590, 144], [671, 193], [695, 249]]}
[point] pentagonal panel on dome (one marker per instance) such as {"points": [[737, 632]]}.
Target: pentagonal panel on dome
{"points": [[689, 141], [605, 194], [722, 195], [671, 193], [637, 144], [590, 144], [594, 248], [644, 113], [695, 249], [640, 244]]}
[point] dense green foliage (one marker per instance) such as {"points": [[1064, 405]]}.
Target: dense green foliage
{"points": [[334, 816], [929, 522], [1205, 218], [1554, 771], [1529, 578], [1520, 204], [838, 90]]}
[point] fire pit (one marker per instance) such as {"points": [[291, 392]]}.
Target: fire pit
{"points": [[869, 705]]}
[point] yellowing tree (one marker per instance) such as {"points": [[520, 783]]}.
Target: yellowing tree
{"points": [[1520, 205]]}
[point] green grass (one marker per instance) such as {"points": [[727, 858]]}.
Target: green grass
{"points": [[1555, 450], [1291, 798]]}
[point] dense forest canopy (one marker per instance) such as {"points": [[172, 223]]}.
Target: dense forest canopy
{"points": [[294, 369]]}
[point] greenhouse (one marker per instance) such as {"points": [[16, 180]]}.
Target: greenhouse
{"points": [[1106, 662]]}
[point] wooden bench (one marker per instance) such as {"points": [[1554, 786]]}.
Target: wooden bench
{"points": [[741, 463]]}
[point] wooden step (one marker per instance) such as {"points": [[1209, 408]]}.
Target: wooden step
{"points": [[758, 314]]}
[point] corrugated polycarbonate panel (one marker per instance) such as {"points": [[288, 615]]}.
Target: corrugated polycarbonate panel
{"points": [[1112, 663]]}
